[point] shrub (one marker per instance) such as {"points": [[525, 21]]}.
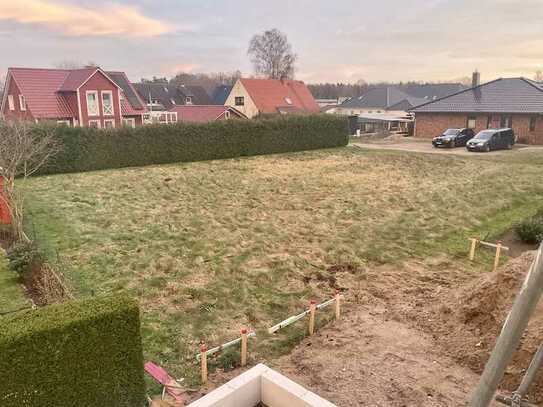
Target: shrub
{"points": [[23, 257], [87, 149], [80, 353], [530, 230]]}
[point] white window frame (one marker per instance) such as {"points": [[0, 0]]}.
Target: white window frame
{"points": [[188, 100], [109, 121], [173, 117], [11, 103], [110, 93], [95, 93], [240, 98], [227, 114], [66, 122], [22, 103], [129, 122], [99, 126]]}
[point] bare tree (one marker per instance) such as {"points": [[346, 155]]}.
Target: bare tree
{"points": [[538, 77], [70, 64], [23, 151], [271, 55], [2, 84]]}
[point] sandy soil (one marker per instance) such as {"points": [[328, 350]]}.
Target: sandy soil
{"points": [[417, 335]]}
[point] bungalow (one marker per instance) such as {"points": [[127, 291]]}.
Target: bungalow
{"points": [[204, 114], [75, 97], [508, 102], [255, 96]]}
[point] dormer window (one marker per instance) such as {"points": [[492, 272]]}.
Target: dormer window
{"points": [[288, 100], [173, 101], [22, 103], [165, 89], [188, 100]]}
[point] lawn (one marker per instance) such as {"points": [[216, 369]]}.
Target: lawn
{"points": [[12, 297], [211, 246]]}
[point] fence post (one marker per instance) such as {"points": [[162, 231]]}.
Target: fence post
{"points": [[203, 360], [312, 309], [243, 347], [511, 334], [498, 253], [472, 249], [338, 305]]}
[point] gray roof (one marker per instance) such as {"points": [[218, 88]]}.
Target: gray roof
{"points": [[122, 81], [408, 103], [509, 95], [221, 93], [381, 97], [432, 91], [166, 93]]}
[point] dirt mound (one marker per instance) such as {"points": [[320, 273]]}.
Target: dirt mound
{"points": [[467, 321]]}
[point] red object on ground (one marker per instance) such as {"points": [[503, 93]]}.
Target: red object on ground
{"points": [[5, 216], [161, 376]]}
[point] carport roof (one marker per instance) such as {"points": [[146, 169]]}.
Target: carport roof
{"points": [[504, 95]]}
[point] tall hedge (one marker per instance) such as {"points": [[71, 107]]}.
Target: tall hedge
{"points": [[80, 353], [86, 149]]}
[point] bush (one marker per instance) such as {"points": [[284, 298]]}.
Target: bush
{"points": [[23, 257], [531, 230], [87, 149], [82, 353]]}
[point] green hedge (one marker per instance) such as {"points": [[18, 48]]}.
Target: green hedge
{"points": [[86, 149], [81, 353]]}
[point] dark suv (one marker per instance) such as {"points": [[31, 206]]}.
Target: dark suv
{"points": [[453, 138], [491, 139]]}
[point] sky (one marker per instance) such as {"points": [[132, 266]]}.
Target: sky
{"points": [[336, 41]]}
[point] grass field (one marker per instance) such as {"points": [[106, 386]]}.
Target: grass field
{"points": [[12, 297], [209, 247]]}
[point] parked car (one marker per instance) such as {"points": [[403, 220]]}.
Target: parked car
{"points": [[453, 138], [488, 140]]}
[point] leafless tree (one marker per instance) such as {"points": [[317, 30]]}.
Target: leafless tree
{"points": [[538, 77], [70, 64], [272, 55], [2, 83], [24, 149]]}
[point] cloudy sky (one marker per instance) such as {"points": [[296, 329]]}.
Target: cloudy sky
{"points": [[342, 40]]}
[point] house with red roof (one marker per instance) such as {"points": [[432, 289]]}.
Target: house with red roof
{"points": [[75, 97], [255, 96], [206, 113]]}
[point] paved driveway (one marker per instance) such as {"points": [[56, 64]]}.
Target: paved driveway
{"points": [[426, 147]]}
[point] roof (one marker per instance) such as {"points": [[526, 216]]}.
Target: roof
{"points": [[133, 104], [407, 103], [202, 113], [220, 94], [507, 95], [269, 95], [381, 97], [170, 95], [44, 90], [432, 91]]}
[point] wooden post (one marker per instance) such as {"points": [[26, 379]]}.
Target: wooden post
{"points": [[472, 249], [312, 309], [498, 253], [338, 305], [203, 360], [244, 347]]}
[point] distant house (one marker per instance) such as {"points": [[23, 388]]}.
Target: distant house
{"points": [[394, 100], [508, 102], [75, 97], [163, 96], [204, 114], [220, 94], [254, 96]]}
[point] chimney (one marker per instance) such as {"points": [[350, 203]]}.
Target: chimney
{"points": [[476, 79]]}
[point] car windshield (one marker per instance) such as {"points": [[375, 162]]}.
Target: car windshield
{"points": [[451, 132], [484, 135]]}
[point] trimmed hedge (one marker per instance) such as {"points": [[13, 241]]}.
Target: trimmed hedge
{"points": [[86, 149], [80, 353]]}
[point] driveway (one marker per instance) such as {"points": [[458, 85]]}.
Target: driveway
{"points": [[425, 146]]}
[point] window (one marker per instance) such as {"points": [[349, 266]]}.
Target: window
{"points": [[173, 117], [95, 124], [505, 121], [472, 122], [173, 101], [239, 101], [109, 124], [92, 103], [288, 100], [22, 103], [63, 123], [107, 103], [532, 123], [11, 103], [227, 115], [188, 100], [489, 122], [130, 122]]}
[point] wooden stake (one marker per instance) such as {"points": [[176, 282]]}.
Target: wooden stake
{"points": [[338, 305], [203, 359], [498, 253], [243, 347], [472, 249], [312, 309]]}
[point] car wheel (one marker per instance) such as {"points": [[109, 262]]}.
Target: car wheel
{"points": [[453, 144], [487, 148]]}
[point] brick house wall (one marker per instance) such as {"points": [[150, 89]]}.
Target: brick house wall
{"points": [[428, 125], [98, 82]]}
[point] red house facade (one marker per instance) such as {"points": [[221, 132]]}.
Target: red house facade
{"points": [[75, 97]]}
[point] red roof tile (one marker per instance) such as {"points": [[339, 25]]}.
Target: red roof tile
{"points": [[270, 95], [76, 78], [201, 113]]}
